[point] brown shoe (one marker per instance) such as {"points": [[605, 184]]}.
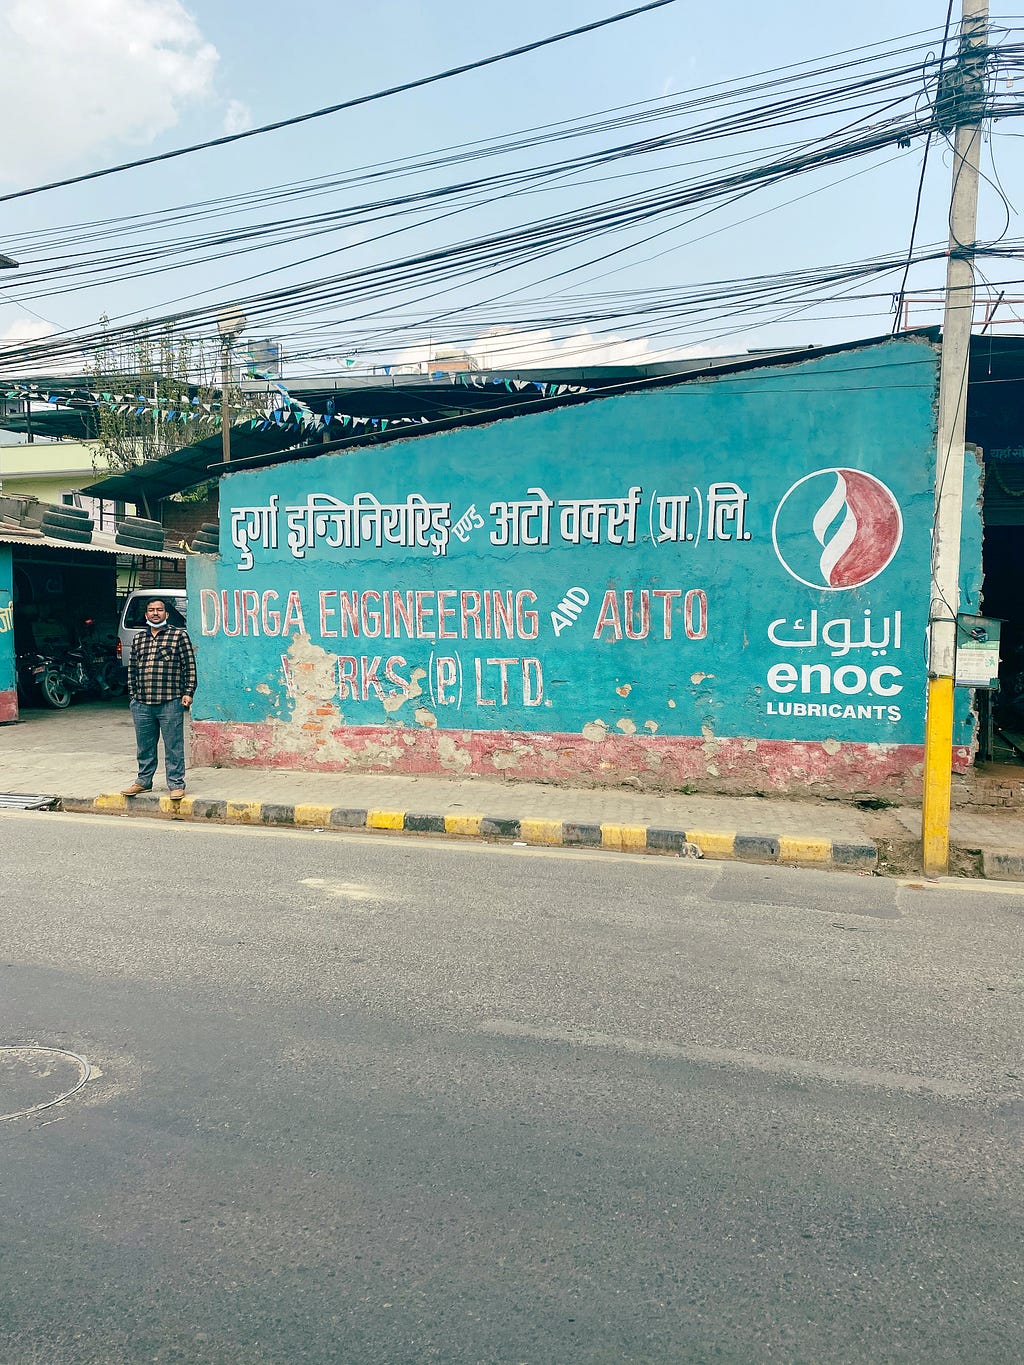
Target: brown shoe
{"points": [[177, 794], [135, 789]]}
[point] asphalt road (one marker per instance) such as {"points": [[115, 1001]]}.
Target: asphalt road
{"points": [[369, 1100]]}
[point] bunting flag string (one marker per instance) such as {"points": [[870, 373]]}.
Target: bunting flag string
{"points": [[473, 380], [284, 412], [180, 409]]}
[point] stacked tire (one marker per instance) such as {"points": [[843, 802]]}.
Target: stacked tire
{"points": [[139, 533], [207, 539], [61, 521]]}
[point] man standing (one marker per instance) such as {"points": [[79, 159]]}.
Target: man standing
{"points": [[161, 685]]}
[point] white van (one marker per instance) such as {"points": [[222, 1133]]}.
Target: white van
{"points": [[133, 616]]}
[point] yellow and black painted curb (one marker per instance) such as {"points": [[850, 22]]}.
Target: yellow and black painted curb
{"points": [[786, 850]]}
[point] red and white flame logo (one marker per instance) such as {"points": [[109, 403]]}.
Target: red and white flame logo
{"points": [[857, 525]]}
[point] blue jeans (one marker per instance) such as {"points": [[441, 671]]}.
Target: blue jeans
{"points": [[168, 720]]}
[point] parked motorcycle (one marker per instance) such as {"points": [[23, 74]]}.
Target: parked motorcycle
{"points": [[43, 674], [100, 662], [58, 677], [29, 668]]}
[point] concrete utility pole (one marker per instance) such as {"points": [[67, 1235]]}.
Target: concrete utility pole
{"points": [[231, 324], [225, 399], [960, 104]]}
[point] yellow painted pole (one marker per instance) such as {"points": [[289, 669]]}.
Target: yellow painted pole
{"points": [[938, 749]]}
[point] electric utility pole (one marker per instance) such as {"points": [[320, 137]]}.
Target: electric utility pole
{"points": [[231, 322], [960, 104]]}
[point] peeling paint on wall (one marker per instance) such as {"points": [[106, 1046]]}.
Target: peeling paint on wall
{"points": [[655, 762]]}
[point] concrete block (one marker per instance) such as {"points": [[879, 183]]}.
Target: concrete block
{"points": [[385, 819], [756, 848], [244, 812], [203, 809], [342, 817], [272, 814], [462, 824], [1003, 867], [714, 843], [805, 852], [312, 815], [856, 857], [624, 838], [549, 832], [667, 840], [495, 828], [586, 836], [420, 823]]}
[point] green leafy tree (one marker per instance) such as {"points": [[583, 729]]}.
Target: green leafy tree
{"points": [[167, 373]]}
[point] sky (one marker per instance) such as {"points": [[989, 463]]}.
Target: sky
{"points": [[92, 83]]}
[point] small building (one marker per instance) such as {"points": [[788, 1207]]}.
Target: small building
{"points": [[51, 471], [56, 592], [715, 582]]}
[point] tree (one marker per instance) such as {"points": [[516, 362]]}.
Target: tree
{"points": [[162, 394]]}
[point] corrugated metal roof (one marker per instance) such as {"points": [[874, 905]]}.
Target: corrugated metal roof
{"points": [[100, 544], [16, 801], [186, 467]]}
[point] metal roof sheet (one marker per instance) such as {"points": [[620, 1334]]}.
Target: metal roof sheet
{"points": [[191, 465], [17, 801], [101, 544]]}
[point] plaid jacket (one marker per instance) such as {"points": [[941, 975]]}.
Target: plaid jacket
{"points": [[161, 667]]}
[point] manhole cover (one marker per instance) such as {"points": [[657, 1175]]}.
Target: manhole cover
{"points": [[34, 1078]]}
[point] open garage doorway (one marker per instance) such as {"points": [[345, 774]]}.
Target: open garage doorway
{"points": [[1003, 597], [995, 423]]}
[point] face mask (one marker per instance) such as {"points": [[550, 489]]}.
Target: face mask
{"points": [[156, 625]]}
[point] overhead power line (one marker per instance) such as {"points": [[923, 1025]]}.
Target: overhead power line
{"points": [[879, 93], [898, 309], [345, 104], [50, 242], [369, 304], [678, 308]]}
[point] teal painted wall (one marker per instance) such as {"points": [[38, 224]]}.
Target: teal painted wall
{"points": [[756, 565]]}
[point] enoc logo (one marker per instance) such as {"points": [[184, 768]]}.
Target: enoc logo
{"points": [[837, 528]]}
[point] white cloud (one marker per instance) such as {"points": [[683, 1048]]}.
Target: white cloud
{"points": [[237, 117], [27, 329], [24, 329], [82, 77]]}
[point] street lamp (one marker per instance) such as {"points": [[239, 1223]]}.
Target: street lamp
{"points": [[230, 324]]}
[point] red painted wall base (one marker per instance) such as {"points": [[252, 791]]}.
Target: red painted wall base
{"points": [[654, 763], [8, 707]]}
